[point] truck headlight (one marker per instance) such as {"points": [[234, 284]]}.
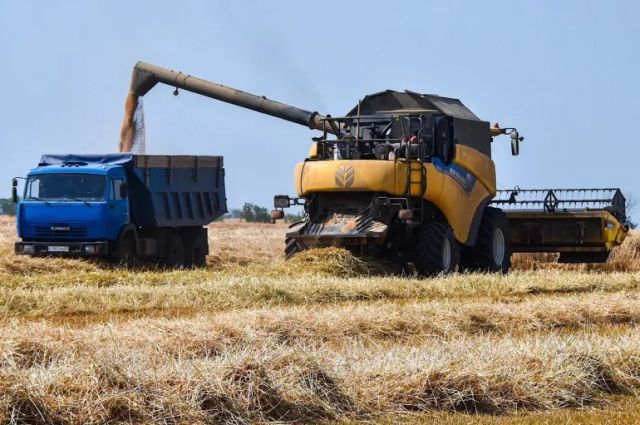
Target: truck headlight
{"points": [[28, 249], [90, 249]]}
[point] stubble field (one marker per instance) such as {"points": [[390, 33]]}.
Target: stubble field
{"points": [[322, 338]]}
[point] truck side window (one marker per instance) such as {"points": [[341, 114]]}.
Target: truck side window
{"points": [[115, 189]]}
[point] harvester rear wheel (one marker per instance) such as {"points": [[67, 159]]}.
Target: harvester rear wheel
{"points": [[492, 251], [292, 247], [174, 254], [436, 249]]}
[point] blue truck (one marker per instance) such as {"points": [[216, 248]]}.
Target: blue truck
{"points": [[124, 207]]}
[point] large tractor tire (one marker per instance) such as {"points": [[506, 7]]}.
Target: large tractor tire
{"points": [[196, 249], [174, 251], [436, 249], [492, 251], [292, 247]]}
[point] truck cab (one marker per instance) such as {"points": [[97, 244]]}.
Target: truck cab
{"points": [[73, 207]]}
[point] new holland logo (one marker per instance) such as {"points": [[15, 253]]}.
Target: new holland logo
{"points": [[345, 176]]}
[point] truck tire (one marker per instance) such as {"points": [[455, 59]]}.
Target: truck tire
{"points": [[174, 251], [492, 251], [125, 254], [436, 249], [292, 247], [196, 249]]}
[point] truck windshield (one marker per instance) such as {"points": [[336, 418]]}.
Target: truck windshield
{"points": [[64, 187]]}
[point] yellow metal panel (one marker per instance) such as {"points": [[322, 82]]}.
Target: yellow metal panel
{"points": [[368, 176], [297, 177], [478, 164], [459, 207], [459, 204], [313, 151], [612, 232]]}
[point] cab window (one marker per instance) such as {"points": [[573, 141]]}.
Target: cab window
{"points": [[115, 189]]}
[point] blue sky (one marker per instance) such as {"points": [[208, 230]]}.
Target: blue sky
{"points": [[565, 73]]}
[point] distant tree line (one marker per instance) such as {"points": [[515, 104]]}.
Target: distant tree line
{"points": [[253, 213], [7, 206]]}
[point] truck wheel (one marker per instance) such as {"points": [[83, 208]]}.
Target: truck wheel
{"points": [[196, 250], [174, 256], [292, 247], [436, 249], [125, 254], [492, 251]]}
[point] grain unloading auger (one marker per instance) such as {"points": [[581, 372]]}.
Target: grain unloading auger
{"points": [[409, 176]]}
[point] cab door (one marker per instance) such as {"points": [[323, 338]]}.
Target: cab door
{"points": [[117, 206]]}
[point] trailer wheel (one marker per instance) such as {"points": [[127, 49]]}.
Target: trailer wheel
{"points": [[436, 249], [196, 249], [292, 247], [174, 255], [125, 254], [492, 251]]}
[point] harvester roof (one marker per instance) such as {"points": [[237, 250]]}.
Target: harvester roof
{"points": [[395, 101], [468, 129]]}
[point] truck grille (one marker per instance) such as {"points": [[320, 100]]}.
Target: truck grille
{"points": [[61, 231]]}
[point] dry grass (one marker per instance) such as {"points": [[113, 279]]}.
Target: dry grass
{"points": [[326, 337]]}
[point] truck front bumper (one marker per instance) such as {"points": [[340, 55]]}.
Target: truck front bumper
{"points": [[70, 249]]}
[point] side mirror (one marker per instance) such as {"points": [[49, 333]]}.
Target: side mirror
{"points": [[281, 201], [14, 191], [124, 190], [515, 142]]}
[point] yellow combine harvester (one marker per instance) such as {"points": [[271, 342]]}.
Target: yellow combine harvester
{"points": [[409, 176]]}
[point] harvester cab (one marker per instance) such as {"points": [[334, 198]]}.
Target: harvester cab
{"points": [[410, 176]]}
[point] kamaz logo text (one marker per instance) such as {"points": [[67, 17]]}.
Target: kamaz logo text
{"points": [[60, 228], [345, 176]]}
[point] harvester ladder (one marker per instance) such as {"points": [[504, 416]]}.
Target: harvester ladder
{"points": [[416, 177]]}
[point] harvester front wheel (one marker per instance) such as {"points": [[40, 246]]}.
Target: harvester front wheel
{"points": [[291, 248], [436, 249], [492, 251]]}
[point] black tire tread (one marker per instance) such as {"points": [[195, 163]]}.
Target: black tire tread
{"points": [[174, 238], [429, 248], [190, 241], [480, 257], [129, 242]]}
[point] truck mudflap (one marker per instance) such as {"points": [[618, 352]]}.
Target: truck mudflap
{"points": [[583, 225], [339, 229], [69, 249]]}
